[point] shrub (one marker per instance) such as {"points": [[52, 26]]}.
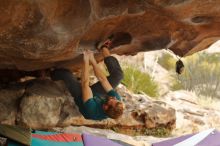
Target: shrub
{"points": [[138, 82], [202, 74], [167, 61], [176, 85]]}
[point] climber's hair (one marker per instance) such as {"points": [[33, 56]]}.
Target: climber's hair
{"points": [[115, 112]]}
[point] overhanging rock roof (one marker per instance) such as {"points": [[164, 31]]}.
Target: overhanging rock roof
{"points": [[39, 34]]}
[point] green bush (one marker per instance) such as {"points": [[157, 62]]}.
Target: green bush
{"points": [[167, 61], [176, 85], [157, 132], [138, 82]]}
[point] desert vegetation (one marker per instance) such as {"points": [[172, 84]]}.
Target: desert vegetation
{"points": [[139, 82], [201, 74]]}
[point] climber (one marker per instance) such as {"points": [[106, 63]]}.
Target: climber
{"points": [[100, 100]]}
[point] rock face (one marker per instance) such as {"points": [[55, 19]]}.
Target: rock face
{"points": [[9, 104], [38, 102], [40, 34], [191, 116], [44, 104]]}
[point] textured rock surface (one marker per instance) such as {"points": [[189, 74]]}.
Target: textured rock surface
{"points": [[45, 104], [9, 103], [191, 115], [42, 104], [39, 34], [156, 114]]}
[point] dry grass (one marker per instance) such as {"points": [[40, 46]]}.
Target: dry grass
{"points": [[208, 102]]}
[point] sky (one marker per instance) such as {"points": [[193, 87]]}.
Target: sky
{"points": [[214, 48]]}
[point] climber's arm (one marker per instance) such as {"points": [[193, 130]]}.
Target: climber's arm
{"points": [[86, 90], [99, 74]]}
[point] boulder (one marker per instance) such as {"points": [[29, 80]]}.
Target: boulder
{"points": [[41, 104], [9, 103], [41, 34], [47, 104], [191, 115], [44, 104], [156, 114]]}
